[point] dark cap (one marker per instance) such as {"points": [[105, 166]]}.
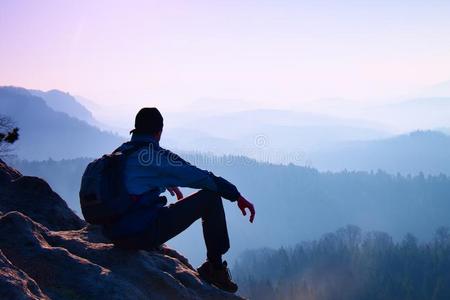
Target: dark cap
{"points": [[148, 120]]}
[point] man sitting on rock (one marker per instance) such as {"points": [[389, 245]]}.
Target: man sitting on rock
{"points": [[148, 173]]}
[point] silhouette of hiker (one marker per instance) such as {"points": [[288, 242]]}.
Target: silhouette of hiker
{"points": [[148, 173]]}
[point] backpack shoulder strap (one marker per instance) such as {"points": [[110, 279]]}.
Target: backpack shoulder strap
{"points": [[134, 146]]}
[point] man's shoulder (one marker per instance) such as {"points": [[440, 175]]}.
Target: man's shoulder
{"points": [[135, 149], [171, 156]]}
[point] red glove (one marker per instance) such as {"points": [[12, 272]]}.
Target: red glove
{"points": [[243, 204]]}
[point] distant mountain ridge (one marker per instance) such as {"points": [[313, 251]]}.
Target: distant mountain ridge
{"points": [[64, 102], [278, 136], [441, 89], [412, 153], [46, 133], [55, 125]]}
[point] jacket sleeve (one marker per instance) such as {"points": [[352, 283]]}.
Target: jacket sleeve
{"points": [[177, 172]]}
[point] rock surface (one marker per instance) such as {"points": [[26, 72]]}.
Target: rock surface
{"points": [[33, 197], [47, 252]]}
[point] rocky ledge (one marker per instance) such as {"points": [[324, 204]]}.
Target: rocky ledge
{"points": [[48, 252]]}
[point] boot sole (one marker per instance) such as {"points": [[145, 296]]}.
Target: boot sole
{"points": [[215, 284]]}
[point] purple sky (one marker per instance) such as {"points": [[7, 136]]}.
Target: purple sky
{"points": [[268, 53]]}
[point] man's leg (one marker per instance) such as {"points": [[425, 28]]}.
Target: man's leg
{"points": [[208, 206]]}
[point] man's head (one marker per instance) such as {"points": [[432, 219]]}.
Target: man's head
{"points": [[148, 121]]}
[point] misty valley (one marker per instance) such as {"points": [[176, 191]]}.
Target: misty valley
{"points": [[362, 216]]}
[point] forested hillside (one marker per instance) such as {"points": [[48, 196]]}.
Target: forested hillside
{"points": [[347, 265], [296, 203]]}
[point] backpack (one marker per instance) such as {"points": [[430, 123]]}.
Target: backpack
{"points": [[103, 194]]}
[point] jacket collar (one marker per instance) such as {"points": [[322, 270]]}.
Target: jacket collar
{"points": [[138, 137]]}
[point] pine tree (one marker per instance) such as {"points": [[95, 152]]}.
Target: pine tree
{"points": [[8, 134]]}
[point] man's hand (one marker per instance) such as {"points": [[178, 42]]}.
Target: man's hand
{"points": [[175, 191], [243, 204]]}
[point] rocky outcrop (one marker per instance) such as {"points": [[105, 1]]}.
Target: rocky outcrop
{"points": [[47, 252], [33, 197], [16, 284]]}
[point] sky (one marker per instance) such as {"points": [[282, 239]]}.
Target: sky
{"points": [[266, 54]]}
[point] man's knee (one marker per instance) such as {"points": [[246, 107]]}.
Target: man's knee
{"points": [[210, 199], [226, 248]]}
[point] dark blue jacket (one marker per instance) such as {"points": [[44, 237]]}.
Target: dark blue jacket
{"points": [[148, 172]]}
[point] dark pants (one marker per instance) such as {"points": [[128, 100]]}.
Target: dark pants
{"points": [[175, 218]]}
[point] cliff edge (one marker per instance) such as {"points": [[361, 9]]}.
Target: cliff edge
{"points": [[48, 252]]}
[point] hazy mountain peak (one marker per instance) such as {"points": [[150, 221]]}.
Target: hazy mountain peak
{"points": [[65, 102], [47, 133], [14, 89], [441, 89]]}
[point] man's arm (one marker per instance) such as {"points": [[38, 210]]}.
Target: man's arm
{"points": [[178, 172], [175, 171]]}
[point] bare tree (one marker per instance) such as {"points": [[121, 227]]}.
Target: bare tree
{"points": [[8, 135]]}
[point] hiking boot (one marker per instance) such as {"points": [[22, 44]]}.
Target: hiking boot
{"points": [[218, 276]]}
